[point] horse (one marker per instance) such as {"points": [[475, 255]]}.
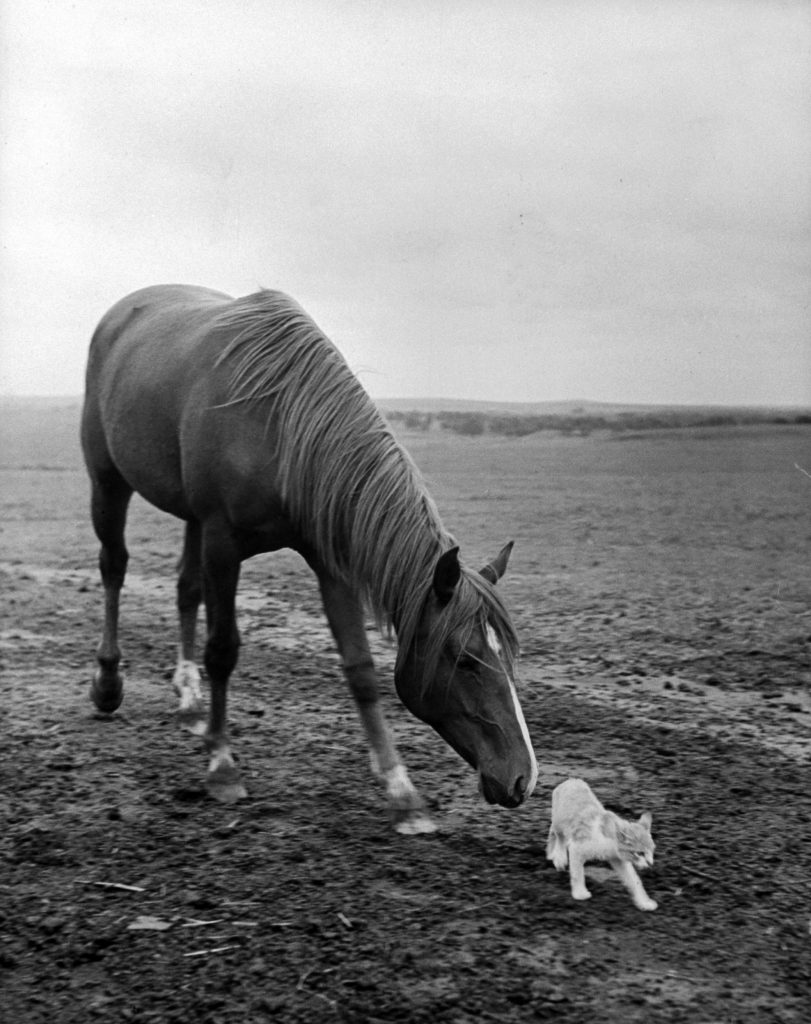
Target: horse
{"points": [[241, 418]]}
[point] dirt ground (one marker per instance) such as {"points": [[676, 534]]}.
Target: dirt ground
{"points": [[660, 586]]}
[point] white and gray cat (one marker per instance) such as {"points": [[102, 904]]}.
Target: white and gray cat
{"points": [[582, 830]]}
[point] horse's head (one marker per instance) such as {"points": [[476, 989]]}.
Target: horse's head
{"points": [[457, 675]]}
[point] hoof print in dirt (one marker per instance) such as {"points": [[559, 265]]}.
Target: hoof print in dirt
{"points": [[189, 795]]}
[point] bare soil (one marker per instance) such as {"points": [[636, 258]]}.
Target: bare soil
{"points": [[660, 586]]}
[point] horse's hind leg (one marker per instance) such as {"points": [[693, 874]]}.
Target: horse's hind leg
{"points": [[345, 616], [109, 502], [186, 678], [220, 564]]}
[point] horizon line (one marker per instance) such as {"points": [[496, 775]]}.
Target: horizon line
{"points": [[577, 402]]}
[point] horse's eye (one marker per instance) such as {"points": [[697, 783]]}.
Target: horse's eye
{"points": [[467, 662]]}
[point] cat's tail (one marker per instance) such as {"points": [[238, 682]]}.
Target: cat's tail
{"points": [[556, 850]]}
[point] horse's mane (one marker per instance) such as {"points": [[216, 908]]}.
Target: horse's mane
{"points": [[348, 485]]}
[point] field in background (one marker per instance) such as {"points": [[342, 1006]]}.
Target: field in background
{"points": [[580, 419], [698, 528]]}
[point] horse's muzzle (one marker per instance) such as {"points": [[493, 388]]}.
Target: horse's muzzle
{"points": [[495, 793]]}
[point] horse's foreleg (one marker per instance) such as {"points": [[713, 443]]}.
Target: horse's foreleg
{"points": [[109, 512], [220, 565], [186, 678], [345, 617]]}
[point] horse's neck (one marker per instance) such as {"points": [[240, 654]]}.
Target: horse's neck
{"points": [[360, 501]]}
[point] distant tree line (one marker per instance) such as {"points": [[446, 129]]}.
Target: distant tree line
{"points": [[580, 424]]}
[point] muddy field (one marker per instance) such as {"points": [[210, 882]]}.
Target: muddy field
{"points": [[660, 585]]}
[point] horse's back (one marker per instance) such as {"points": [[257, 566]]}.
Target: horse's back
{"points": [[153, 319]]}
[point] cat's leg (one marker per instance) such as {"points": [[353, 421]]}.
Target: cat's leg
{"points": [[633, 883], [577, 874], [556, 850]]}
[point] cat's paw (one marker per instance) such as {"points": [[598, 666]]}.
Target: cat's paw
{"points": [[647, 904], [581, 894]]}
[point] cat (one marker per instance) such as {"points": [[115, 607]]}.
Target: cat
{"points": [[582, 830]]}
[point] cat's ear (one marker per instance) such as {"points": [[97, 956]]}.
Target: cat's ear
{"points": [[646, 820], [609, 825]]}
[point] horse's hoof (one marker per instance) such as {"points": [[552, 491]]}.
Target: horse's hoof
{"points": [[223, 784], [413, 823], [107, 694], [226, 792]]}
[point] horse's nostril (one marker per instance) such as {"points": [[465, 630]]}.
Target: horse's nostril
{"points": [[520, 788]]}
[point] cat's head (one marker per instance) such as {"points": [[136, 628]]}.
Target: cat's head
{"points": [[634, 841]]}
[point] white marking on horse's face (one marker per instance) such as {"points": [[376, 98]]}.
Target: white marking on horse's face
{"points": [[519, 714], [495, 647], [492, 640]]}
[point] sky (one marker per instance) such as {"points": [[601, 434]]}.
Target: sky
{"points": [[511, 200]]}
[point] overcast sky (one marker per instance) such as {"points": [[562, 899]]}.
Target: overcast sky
{"points": [[599, 199]]}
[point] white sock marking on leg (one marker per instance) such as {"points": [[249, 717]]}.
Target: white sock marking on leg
{"points": [[220, 758], [186, 681], [397, 782]]}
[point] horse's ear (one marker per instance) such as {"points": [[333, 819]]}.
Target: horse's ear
{"points": [[446, 575], [494, 570]]}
